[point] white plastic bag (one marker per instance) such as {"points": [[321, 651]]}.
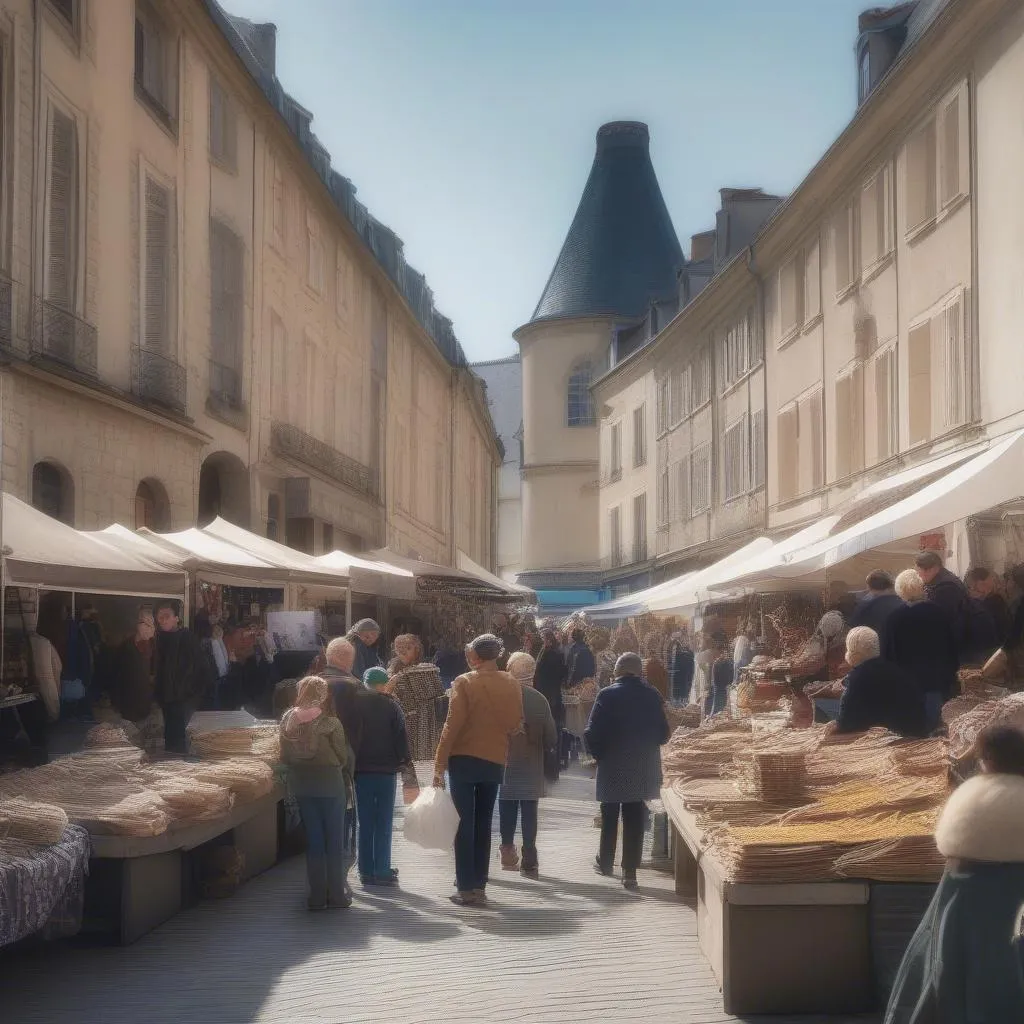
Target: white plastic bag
{"points": [[431, 821]]}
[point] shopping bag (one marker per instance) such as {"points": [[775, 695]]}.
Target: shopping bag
{"points": [[432, 821]]}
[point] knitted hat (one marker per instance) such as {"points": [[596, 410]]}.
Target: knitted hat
{"points": [[374, 677]]}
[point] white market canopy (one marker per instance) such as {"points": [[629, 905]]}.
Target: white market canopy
{"points": [[629, 605], [370, 576], [461, 581], [466, 564], [42, 552]]}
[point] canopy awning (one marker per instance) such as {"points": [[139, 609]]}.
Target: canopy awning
{"points": [[457, 581], [993, 478], [41, 552], [466, 564], [636, 603], [218, 560], [372, 576]]}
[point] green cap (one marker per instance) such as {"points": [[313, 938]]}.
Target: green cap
{"points": [[375, 677]]}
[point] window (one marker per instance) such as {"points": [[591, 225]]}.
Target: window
{"points": [[702, 378], [791, 280], [61, 270], [864, 74], [223, 130], [579, 404], [682, 485], [921, 185], [939, 372], [150, 507], [849, 423], [273, 516], [876, 234], [812, 282], [736, 463], [640, 528], [810, 433], [788, 452], [952, 358], [954, 168], [640, 436], [342, 286], [615, 459], [159, 227], [155, 75], [700, 480], [68, 11], [680, 380], [757, 450], [844, 248], [735, 353], [883, 414], [663, 500], [663, 411], [615, 534], [227, 307], [314, 254], [327, 538], [919, 358], [278, 212], [53, 492]]}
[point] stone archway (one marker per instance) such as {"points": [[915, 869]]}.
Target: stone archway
{"points": [[152, 506], [224, 490], [53, 491]]}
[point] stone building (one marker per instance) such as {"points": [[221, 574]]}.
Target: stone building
{"points": [[198, 317]]}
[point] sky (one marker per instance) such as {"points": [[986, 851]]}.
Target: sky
{"points": [[468, 126]]}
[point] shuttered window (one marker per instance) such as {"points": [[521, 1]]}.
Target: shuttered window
{"points": [[681, 483], [953, 357], [615, 534], [788, 453], [876, 234], [640, 435], [843, 248], [223, 127], [954, 168], [884, 387], [615, 453], [62, 215], [663, 415], [315, 254], [702, 378], [640, 528], [154, 60], [227, 305], [676, 396], [158, 269], [736, 461], [278, 211], [684, 407], [664, 513], [920, 184], [342, 274], [920, 381], [791, 282], [812, 282], [700, 480], [849, 419], [757, 450], [812, 437]]}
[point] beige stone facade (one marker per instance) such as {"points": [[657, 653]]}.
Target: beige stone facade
{"points": [[192, 322]]}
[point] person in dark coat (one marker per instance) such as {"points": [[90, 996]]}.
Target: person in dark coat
{"points": [[582, 664], [981, 585], [183, 675], [963, 964], [383, 753], [682, 666], [363, 637], [551, 675], [920, 640], [873, 610], [722, 676], [947, 592], [626, 731], [877, 692], [131, 681]]}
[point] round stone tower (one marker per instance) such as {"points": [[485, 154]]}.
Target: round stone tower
{"points": [[620, 253]]}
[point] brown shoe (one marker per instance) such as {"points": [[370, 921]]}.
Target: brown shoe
{"points": [[464, 899], [509, 858], [530, 868]]}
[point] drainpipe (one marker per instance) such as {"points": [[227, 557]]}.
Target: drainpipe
{"points": [[755, 273]]}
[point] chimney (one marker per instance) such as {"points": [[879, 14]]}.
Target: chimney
{"points": [[702, 246]]}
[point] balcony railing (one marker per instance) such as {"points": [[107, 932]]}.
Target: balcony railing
{"points": [[158, 379], [225, 385], [61, 337], [295, 444]]}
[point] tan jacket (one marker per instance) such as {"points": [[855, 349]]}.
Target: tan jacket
{"points": [[484, 709]]}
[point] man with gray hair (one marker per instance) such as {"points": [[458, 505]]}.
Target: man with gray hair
{"points": [[626, 731], [876, 692], [363, 636]]}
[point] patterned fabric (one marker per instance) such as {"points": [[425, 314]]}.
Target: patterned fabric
{"points": [[42, 889], [417, 689]]}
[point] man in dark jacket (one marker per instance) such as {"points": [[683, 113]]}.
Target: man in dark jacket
{"points": [[981, 585], [363, 637], [877, 692], [581, 659], [383, 753], [874, 609], [550, 677], [626, 731], [183, 675], [946, 591]]}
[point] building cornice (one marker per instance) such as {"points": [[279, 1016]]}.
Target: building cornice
{"points": [[557, 467], [535, 327]]}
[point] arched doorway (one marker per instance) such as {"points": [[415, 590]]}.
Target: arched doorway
{"points": [[152, 507], [53, 491], [224, 490]]}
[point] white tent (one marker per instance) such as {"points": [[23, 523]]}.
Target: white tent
{"points": [[371, 576], [461, 580], [41, 552], [219, 561], [466, 564], [636, 603]]}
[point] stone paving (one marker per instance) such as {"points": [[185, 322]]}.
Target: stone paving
{"points": [[572, 947]]}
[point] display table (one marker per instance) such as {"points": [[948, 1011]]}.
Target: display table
{"points": [[144, 877], [774, 948]]}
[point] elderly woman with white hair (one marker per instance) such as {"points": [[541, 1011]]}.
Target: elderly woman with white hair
{"points": [[524, 784], [877, 693], [920, 640]]}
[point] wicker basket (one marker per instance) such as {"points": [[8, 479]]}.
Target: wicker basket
{"points": [[779, 777]]}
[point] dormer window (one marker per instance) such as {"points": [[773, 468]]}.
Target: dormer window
{"points": [[864, 74]]}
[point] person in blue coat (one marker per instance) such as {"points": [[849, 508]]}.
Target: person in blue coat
{"points": [[626, 731], [963, 964]]}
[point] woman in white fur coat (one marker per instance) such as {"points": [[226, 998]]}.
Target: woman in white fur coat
{"points": [[963, 964]]}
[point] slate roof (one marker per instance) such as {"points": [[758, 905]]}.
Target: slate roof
{"points": [[621, 250]]}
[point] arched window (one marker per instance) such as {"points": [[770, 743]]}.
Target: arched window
{"points": [[579, 403], [273, 516], [53, 492], [152, 508]]}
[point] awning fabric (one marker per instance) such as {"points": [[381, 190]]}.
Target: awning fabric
{"points": [[41, 552], [633, 604], [993, 478], [458, 581], [371, 576], [466, 564], [218, 560]]}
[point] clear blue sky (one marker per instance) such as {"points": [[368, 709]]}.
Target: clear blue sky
{"points": [[468, 125]]}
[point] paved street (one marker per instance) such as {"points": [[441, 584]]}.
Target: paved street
{"points": [[570, 948]]}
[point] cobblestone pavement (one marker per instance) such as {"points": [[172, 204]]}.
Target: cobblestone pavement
{"points": [[572, 947]]}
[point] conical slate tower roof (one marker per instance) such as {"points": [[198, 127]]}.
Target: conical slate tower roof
{"points": [[621, 250]]}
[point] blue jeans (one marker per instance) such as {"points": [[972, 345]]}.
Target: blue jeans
{"points": [[375, 801], [474, 800], [323, 817]]}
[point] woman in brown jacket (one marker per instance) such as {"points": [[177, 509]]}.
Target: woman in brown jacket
{"points": [[486, 708]]}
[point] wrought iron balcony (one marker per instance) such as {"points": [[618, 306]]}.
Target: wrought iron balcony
{"points": [[295, 444], [61, 337], [158, 379], [225, 385]]}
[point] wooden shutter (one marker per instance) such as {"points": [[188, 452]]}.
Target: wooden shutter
{"points": [[639, 436], [954, 169], [842, 248], [663, 498], [953, 362], [886, 404], [158, 267], [844, 402], [640, 528], [870, 209], [681, 501], [787, 453], [811, 440], [812, 281], [757, 450], [920, 176], [919, 383], [790, 286], [615, 538], [62, 234]]}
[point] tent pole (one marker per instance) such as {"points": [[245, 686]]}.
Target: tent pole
{"points": [[348, 606]]}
